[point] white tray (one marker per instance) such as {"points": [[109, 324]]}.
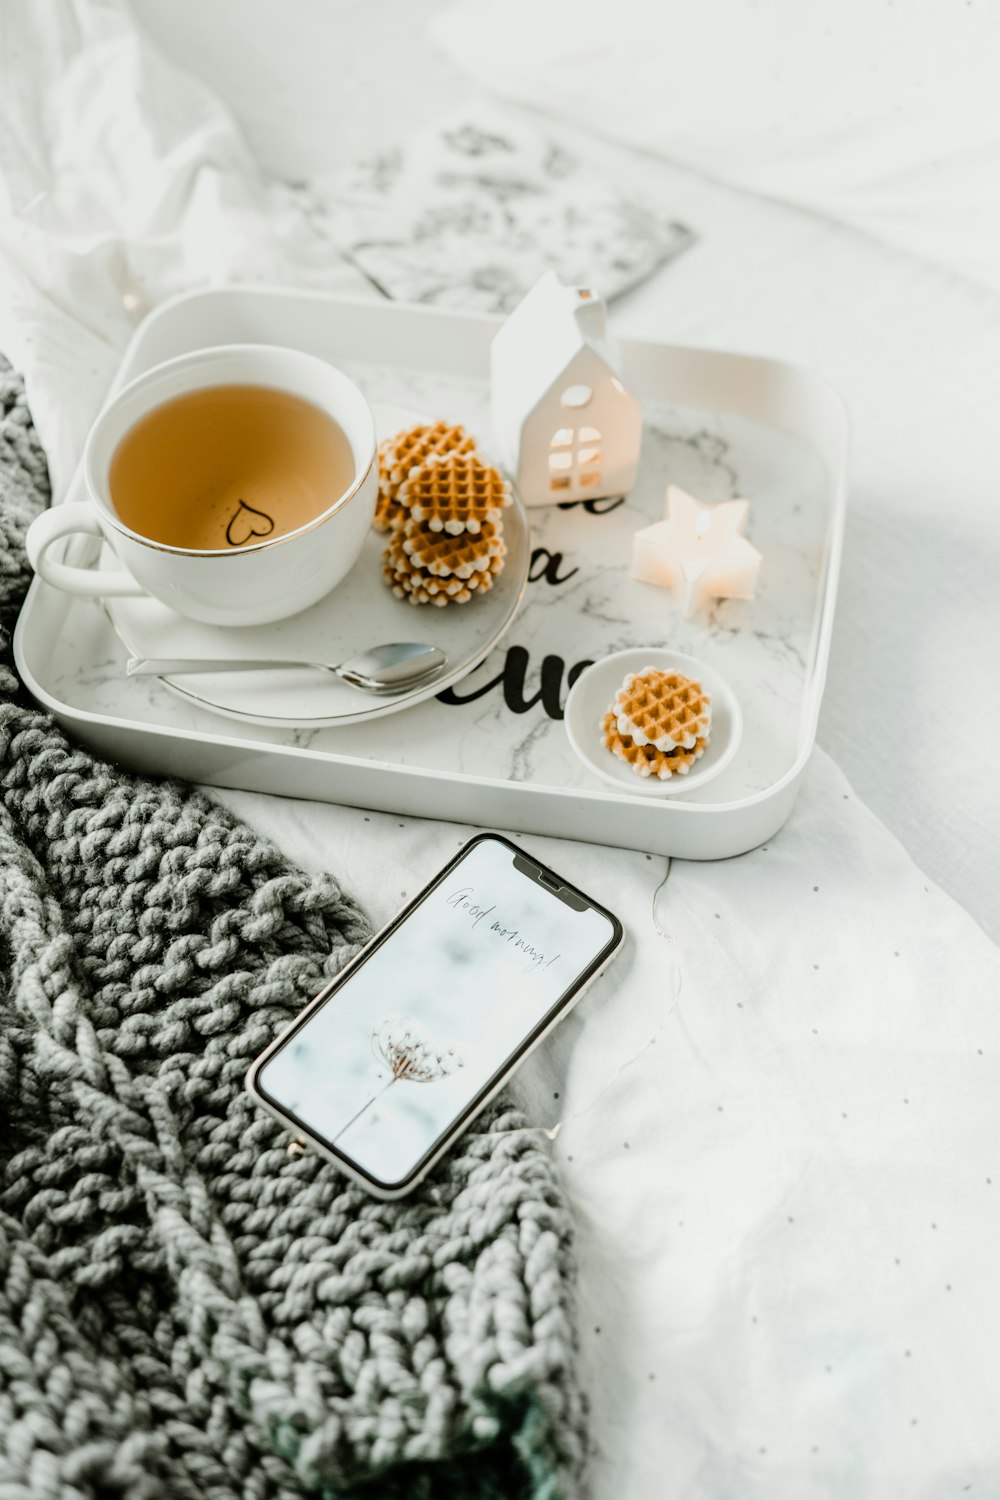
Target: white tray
{"points": [[718, 424]]}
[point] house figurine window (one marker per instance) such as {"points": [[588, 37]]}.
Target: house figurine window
{"points": [[567, 426], [575, 458]]}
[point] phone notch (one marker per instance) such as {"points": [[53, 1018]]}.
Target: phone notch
{"points": [[551, 882]]}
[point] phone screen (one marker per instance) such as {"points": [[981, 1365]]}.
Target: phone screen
{"points": [[411, 1039]]}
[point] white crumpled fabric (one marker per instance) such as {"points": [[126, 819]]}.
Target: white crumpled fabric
{"points": [[777, 1113], [122, 181]]}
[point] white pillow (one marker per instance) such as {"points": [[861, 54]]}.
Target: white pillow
{"points": [[884, 115]]}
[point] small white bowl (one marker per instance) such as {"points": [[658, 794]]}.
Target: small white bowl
{"points": [[591, 697]]}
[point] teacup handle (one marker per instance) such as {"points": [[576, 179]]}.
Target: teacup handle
{"points": [[50, 527]]}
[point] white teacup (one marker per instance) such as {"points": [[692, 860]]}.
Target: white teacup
{"points": [[264, 581]]}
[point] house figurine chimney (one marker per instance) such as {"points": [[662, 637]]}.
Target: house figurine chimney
{"points": [[590, 313], [565, 422]]}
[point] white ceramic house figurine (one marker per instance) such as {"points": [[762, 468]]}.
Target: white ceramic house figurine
{"points": [[567, 426]]}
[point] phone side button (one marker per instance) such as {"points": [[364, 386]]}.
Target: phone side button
{"points": [[592, 980]]}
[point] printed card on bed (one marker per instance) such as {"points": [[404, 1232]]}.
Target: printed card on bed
{"points": [[469, 214]]}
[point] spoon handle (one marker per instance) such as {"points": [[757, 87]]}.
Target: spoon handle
{"points": [[154, 666]]}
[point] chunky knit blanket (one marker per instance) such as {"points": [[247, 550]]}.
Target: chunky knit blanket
{"points": [[186, 1311]]}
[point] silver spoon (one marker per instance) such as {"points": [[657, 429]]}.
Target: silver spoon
{"points": [[384, 669]]}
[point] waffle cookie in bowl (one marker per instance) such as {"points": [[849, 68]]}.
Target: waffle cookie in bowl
{"points": [[663, 710], [646, 760], [659, 722], [398, 456], [686, 717]]}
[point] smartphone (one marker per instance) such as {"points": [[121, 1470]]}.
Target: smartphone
{"points": [[393, 1059]]}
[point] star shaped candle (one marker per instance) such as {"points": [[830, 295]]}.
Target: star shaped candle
{"points": [[698, 552]]}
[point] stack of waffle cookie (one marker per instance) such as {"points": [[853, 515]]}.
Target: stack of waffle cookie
{"points": [[659, 723], [442, 506]]}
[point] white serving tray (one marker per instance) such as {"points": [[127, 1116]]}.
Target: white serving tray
{"points": [[718, 424]]}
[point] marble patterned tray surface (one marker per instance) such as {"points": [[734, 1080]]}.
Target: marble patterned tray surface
{"points": [[504, 720]]}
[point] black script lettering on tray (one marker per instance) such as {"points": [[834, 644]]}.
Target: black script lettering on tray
{"points": [[545, 564], [512, 680], [246, 523], [599, 507]]}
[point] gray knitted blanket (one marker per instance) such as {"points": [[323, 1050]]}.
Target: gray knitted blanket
{"points": [[185, 1311]]}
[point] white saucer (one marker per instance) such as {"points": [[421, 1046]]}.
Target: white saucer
{"points": [[359, 613], [590, 699]]}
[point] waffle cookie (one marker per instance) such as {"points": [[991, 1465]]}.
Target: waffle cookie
{"points": [[413, 447], [646, 760], [455, 493], [443, 555], [663, 710], [406, 451], [442, 505], [388, 511], [459, 568]]}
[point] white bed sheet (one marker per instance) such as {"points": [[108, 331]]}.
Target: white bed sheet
{"points": [[777, 1114]]}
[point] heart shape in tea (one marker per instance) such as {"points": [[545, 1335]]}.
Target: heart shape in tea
{"points": [[180, 476], [246, 523]]}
